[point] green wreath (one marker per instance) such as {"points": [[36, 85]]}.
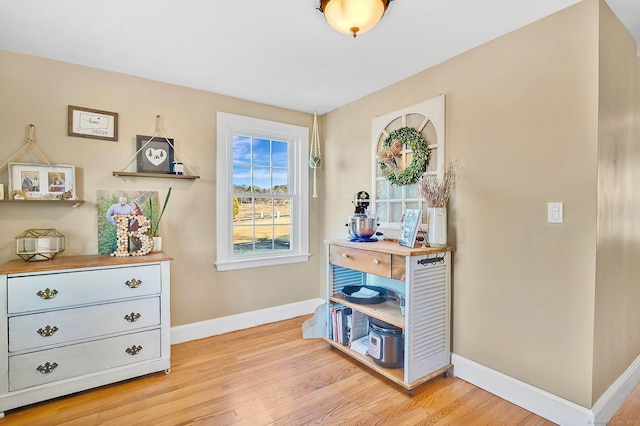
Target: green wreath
{"points": [[409, 137]]}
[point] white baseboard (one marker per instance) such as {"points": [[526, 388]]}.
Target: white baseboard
{"points": [[538, 401], [545, 404], [607, 405], [203, 329]]}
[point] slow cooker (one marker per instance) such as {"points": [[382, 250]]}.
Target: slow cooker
{"points": [[386, 344]]}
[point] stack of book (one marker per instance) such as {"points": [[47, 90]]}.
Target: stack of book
{"points": [[347, 325]]}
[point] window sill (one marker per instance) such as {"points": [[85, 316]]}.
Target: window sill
{"points": [[258, 262]]}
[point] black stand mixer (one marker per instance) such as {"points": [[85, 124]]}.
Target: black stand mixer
{"points": [[362, 226]]}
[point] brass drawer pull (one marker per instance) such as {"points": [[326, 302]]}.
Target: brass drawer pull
{"points": [[47, 294], [48, 331], [132, 317], [133, 283], [47, 367], [134, 350]]}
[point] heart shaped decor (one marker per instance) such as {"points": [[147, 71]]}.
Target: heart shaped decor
{"points": [[156, 156]]}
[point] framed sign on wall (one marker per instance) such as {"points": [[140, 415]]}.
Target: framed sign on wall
{"points": [[92, 123]]}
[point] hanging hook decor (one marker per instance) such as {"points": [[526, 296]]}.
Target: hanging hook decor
{"points": [[26, 147], [315, 157], [431, 260]]}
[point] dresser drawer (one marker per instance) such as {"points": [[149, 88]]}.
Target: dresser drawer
{"points": [[76, 360], [58, 327], [361, 260], [65, 288]]}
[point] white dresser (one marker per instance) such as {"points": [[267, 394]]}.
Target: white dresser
{"points": [[78, 322]]}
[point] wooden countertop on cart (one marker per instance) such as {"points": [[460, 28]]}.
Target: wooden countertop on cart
{"points": [[389, 246], [84, 261]]}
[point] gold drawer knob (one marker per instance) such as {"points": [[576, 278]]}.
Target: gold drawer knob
{"points": [[133, 350], [47, 368], [133, 283], [132, 317], [47, 294], [48, 331]]}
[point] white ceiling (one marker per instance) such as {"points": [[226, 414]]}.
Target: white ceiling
{"points": [[279, 52]]}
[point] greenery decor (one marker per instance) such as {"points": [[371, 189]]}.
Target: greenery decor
{"points": [[156, 223], [436, 191], [392, 151]]}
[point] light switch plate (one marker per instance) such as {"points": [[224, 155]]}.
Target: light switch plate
{"points": [[554, 212]]}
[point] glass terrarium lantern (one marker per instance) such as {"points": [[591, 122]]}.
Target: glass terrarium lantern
{"points": [[39, 244]]}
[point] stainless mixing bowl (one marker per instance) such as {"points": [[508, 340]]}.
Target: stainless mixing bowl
{"points": [[362, 226]]}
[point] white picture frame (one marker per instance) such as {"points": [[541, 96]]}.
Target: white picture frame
{"points": [[33, 181]]}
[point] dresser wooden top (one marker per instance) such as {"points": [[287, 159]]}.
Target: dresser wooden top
{"points": [[389, 246], [85, 261]]}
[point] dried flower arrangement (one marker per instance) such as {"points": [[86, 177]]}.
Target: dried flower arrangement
{"points": [[436, 192]]}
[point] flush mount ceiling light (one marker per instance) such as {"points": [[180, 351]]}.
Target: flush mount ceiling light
{"points": [[353, 16]]}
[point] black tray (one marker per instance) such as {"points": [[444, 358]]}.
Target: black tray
{"points": [[382, 296]]}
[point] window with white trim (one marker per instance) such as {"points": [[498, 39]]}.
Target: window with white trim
{"points": [[262, 193]]}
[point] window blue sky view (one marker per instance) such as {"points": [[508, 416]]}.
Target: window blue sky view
{"points": [[262, 163]]}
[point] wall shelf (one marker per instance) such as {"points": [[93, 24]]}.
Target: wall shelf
{"points": [[160, 134], [74, 203], [156, 175]]}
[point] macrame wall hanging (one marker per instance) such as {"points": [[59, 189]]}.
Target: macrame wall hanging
{"points": [[29, 145], [70, 192], [315, 157]]}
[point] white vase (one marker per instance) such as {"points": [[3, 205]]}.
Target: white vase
{"points": [[157, 244], [437, 226]]}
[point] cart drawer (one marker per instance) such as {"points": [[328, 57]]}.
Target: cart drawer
{"points": [[361, 260]]}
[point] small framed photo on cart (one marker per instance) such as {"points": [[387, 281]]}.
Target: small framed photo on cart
{"points": [[92, 123], [157, 155], [410, 226]]}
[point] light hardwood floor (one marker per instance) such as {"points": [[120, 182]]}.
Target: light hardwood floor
{"points": [[269, 375]]}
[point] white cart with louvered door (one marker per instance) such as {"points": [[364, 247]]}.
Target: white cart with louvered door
{"points": [[423, 275], [79, 322]]}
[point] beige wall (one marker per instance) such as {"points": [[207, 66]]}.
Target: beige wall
{"points": [[617, 317], [521, 117], [541, 114], [35, 90]]}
